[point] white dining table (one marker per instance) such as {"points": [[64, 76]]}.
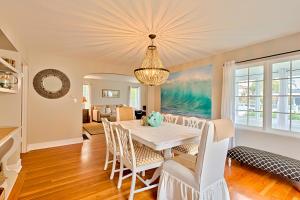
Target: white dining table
{"points": [[163, 137]]}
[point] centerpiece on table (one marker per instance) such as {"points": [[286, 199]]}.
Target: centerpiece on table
{"points": [[154, 119]]}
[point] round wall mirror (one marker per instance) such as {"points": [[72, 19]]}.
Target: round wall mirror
{"points": [[51, 83]]}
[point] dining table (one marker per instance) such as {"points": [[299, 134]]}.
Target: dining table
{"points": [[162, 138]]}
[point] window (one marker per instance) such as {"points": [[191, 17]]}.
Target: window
{"points": [[86, 101], [286, 95], [134, 97], [249, 96], [267, 96]]}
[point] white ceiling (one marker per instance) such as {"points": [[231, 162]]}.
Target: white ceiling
{"points": [[112, 77], [116, 31]]}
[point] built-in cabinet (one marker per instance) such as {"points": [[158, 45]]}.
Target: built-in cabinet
{"points": [[10, 76], [10, 139], [11, 117]]}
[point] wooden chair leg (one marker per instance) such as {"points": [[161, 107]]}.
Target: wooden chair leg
{"points": [[229, 162], [120, 174], [106, 159], [296, 185], [133, 181], [113, 167]]}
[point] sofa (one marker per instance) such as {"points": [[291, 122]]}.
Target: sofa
{"points": [[104, 111]]}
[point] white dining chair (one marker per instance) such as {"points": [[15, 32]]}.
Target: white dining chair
{"points": [[169, 118], [137, 158], [197, 177], [193, 122], [192, 148], [111, 147]]}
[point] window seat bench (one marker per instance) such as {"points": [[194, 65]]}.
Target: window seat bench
{"points": [[273, 163]]}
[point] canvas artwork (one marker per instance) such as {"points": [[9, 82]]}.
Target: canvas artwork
{"points": [[110, 93], [188, 93]]}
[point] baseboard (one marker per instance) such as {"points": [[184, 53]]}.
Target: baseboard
{"points": [[56, 143]]}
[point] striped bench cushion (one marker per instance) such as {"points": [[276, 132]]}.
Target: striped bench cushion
{"points": [[270, 162]]}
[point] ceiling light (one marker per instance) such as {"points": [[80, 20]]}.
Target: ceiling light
{"points": [[151, 72]]}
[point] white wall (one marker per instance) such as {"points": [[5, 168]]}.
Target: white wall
{"points": [[286, 146], [98, 85], [51, 120], [54, 119]]}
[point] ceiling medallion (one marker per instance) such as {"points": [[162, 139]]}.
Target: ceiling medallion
{"points": [[152, 72]]}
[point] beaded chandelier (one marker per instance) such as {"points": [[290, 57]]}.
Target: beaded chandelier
{"points": [[151, 72]]}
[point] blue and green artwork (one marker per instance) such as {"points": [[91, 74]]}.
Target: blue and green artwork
{"points": [[188, 93]]}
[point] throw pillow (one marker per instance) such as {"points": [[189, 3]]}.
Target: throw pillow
{"points": [[102, 109], [107, 110]]}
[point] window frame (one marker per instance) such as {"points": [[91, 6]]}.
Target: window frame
{"points": [[242, 66], [267, 98], [88, 103], [138, 97]]}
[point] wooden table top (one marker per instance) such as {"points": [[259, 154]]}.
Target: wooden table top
{"points": [[5, 131], [165, 136]]}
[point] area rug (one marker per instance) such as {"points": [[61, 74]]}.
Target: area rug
{"points": [[93, 128]]}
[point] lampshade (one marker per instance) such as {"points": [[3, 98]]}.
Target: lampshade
{"points": [[152, 71]]}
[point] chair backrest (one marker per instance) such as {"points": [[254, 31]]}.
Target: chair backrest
{"points": [[211, 157], [109, 135], [126, 146], [193, 122], [125, 113], [169, 118]]}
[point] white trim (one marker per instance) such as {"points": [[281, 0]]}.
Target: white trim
{"points": [[267, 95], [16, 167], [24, 111], [267, 115], [44, 145], [269, 131]]}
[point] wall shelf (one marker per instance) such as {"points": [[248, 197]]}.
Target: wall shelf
{"points": [[4, 66], [10, 91]]}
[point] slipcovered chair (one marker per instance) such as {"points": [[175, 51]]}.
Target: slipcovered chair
{"points": [[199, 177], [192, 149], [125, 113], [137, 158]]}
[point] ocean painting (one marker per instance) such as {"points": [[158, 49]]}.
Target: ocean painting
{"points": [[188, 93]]}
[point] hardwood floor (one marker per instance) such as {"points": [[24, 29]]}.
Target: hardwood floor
{"points": [[76, 172]]}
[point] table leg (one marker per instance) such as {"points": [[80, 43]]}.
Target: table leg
{"points": [[155, 176], [167, 155]]}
